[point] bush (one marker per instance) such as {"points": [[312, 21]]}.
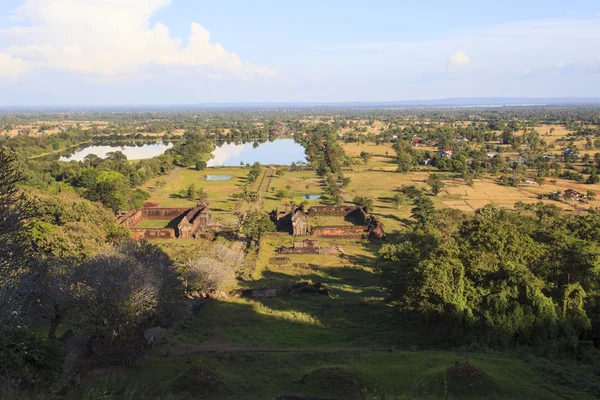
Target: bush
{"points": [[206, 273]]}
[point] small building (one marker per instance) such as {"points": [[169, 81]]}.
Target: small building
{"points": [[446, 152], [571, 153], [573, 194]]}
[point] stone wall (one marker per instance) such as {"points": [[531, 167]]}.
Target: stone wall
{"points": [[331, 211], [193, 220], [131, 218], [341, 232], [163, 213], [153, 233]]}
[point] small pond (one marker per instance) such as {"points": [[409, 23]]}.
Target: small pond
{"points": [[311, 196], [278, 152], [133, 151], [217, 177]]}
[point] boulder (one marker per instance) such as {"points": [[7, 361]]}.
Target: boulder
{"points": [[152, 335]]}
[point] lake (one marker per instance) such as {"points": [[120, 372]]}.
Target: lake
{"points": [[132, 151], [278, 152]]}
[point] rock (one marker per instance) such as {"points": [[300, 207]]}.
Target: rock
{"points": [[152, 335]]}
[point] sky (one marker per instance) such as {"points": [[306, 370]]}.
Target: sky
{"points": [[183, 52]]}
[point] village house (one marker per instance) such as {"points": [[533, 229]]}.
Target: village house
{"points": [[446, 152], [573, 194]]}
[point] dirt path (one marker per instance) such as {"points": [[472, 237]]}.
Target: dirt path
{"points": [[171, 176], [213, 346]]}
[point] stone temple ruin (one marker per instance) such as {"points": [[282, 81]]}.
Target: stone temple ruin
{"points": [[186, 222], [295, 221]]}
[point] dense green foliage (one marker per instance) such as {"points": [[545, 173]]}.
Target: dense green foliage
{"points": [[499, 277], [256, 224]]}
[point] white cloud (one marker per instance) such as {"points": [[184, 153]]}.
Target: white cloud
{"points": [[112, 40], [458, 60], [11, 67]]}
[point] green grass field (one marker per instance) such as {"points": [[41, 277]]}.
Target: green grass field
{"points": [[348, 345], [154, 223]]}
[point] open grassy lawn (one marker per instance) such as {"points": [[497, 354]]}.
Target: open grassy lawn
{"points": [[218, 192], [300, 183], [336, 374], [348, 345], [154, 223]]}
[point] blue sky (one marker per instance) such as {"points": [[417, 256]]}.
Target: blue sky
{"points": [[107, 52]]}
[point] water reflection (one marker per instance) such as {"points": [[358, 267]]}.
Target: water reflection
{"points": [[136, 151], [278, 152], [218, 177]]}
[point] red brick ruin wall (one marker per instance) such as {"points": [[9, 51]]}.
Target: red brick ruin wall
{"points": [[152, 234], [339, 211], [329, 211], [131, 218], [350, 232], [163, 213]]}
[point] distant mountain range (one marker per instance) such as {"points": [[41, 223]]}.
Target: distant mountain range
{"points": [[449, 102]]}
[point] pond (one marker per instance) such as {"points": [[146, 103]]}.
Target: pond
{"points": [[218, 177], [278, 152], [133, 151], [311, 196]]}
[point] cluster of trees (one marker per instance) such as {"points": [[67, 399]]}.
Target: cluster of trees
{"points": [[65, 262], [192, 193], [322, 150], [254, 173], [57, 266], [497, 277], [192, 151]]}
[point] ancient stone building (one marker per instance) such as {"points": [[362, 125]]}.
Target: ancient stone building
{"points": [[299, 223], [293, 220], [195, 220], [192, 221]]}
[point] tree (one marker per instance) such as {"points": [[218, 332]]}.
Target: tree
{"points": [[111, 189], [591, 194], [435, 183], [405, 162], [365, 156], [399, 199], [193, 193], [206, 273], [249, 196], [423, 209], [256, 224], [363, 202], [120, 290], [200, 165], [25, 356]]}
